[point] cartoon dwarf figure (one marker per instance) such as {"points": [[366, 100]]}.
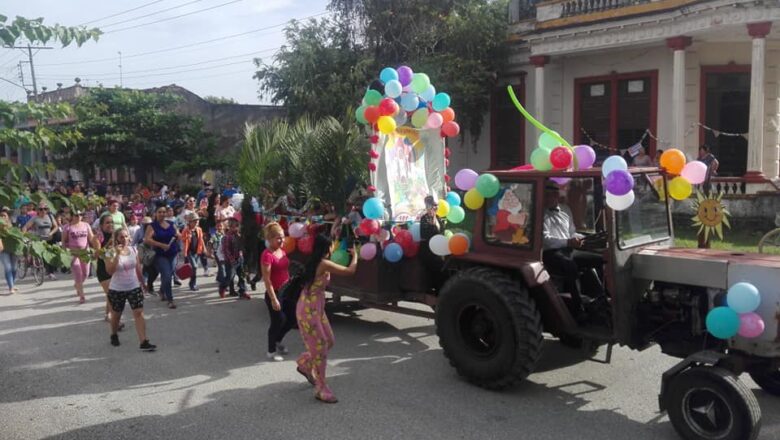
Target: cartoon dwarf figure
{"points": [[510, 220]]}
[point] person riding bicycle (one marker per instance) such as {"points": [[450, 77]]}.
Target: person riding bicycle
{"points": [[44, 226]]}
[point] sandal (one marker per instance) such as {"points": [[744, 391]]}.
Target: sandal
{"points": [[171, 305], [308, 376], [82, 300], [326, 398]]}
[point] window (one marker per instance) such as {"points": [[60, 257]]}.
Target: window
{"points": [[647, 220], [510, 216], [725, 107], [507, 134]]}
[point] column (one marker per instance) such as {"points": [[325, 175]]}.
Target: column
{"points": [[539, 62], [678, 45], [758, 31]]}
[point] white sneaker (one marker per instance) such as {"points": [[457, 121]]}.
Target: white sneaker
{"points": [[274, 357], [52, 277], [281, 349]]}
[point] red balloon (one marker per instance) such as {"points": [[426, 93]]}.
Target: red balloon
{"points": [[372, 166], [447, 153], [373, 154], [446, 178], [560, 158], [369, 226], [403, 237], [410, 249], [371, 188], [388, 107], [374, 138], [446, 162], [527, 167], [306, 244], [372, 114], [450, 129]]}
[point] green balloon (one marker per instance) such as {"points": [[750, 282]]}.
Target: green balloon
{"points": [[420, 82], [456, 214], [487, 185], [540, 159], [341, 257], [420, 117], [548, 142], [448, 233], [372, 97], [360, 116]]}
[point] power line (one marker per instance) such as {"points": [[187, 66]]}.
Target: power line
{"points": [[120, 13], [151, 14], [217, 75], [174, 17], [159, 74]]}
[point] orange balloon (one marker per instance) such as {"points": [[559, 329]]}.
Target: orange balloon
{"points": [[673, 161], [459, 245], [448, 114], [289, 245]]}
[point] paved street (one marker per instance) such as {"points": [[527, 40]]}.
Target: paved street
{"points": [[209, 379]]}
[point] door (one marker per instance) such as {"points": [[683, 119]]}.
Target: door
{"points": [[725, 110]]}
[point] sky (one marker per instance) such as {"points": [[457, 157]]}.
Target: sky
{"points": [[219, 68]]}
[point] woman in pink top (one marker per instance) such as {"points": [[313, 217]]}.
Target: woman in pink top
{"points": [[274, 264], [77, 236]]}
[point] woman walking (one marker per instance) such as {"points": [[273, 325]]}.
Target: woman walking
{"points": [[7, 256], [125, 286], [312, 322], [274, 264], [77, 235], [105, 232], [45, 226], [162, 237]]}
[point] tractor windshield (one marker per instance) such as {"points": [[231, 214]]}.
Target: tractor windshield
{"points": [[647, 219]]}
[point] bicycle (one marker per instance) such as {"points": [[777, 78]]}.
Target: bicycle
{"points": [[29, 261], [771, 239]]}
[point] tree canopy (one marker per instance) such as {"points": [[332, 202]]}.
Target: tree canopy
{"points": [[34, 31]]}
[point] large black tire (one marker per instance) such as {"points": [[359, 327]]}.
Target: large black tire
{"points": [[768, 380], [710, 403], [488, 327]]}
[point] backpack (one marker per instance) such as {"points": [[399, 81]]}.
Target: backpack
{"points": [[291, 290]]}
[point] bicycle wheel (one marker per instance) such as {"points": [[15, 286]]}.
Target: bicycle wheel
{"points": [[21, 267], [770, 243], [39, 271]]}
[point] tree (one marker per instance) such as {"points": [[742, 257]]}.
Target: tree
{"points": [[219, 100], [35, 31]]}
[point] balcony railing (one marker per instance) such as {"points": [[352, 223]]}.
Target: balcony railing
{"points": [[581, 7]]}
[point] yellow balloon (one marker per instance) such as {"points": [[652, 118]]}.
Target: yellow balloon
{"points": [[473, 199], [680, 188], [386, 124], [443, 209]]}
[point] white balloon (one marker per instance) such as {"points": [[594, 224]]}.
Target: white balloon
{"points": [[297, 230], [440, 245], [620, 203]]}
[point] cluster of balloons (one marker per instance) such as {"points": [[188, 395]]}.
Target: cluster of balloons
{"points": [[551, 155], [739, 316], [450, 243], [301, 237], [478, 188], [402, 97], [618, 182], [687, 174], [450, 208]]}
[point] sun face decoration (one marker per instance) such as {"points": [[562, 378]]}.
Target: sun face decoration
{"points": [[711, 215]]}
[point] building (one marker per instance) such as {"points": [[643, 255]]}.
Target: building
{"points": [[660, 73]]}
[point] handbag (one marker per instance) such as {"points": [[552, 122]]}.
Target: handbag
{"points": [[147, 254], [184, 271]]}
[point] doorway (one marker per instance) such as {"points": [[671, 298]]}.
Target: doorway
{"points": [[725, 108]]}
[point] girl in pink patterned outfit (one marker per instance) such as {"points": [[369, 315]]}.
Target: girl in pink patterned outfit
{"points": [[77, 235], [313, 323]]}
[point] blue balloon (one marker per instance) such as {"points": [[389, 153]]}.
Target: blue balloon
{"points": [[428, 94], [743, 298], [613, 163], [722, 322], [374, 209], [409, 102], [394, 252], [415, 230], [441, 101], [453, 198], [393, 88], [388, 74]]}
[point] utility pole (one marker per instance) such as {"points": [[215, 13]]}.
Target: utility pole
{"points": [[120, 68], [32, 65]]}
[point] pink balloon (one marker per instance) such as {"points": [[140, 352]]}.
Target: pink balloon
{"points": [[368, 251], [434, 120], [751, 325], [695, 172]]}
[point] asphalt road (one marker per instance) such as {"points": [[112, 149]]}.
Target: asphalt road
{"points": [[209, 379]]}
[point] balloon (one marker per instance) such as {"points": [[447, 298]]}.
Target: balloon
{"points": [[373, 208], [465, 179], [393, 88], [695, 172], [411, 249], [368, 251], [402, 237], [447, 233], [372, 167], [488, 185], [289, 245], [561, 180], [340, 256], [428, 94], [473, 199], [548, 142], [405, 75], [372, 97], [448, 114], [388, 74], [450, 128], [751, 325], [443, 209], [540, 159], [743, 298], [306, 244], [439, 245], [393, 252], [680, 188], [465, 235], [526, 167], [388, 107], [586, 156], [458, 245], [296, 230], [434, 120], [400, 119], [561, 157], [420, 117], [456, 214], [441, 101], [369, 226], [360, 114], [409, 102], [420, 82], [415, 230], [372, 114], [722, 322], [383, 235], [619, 182], [620, 203], [386, 124], [613, 163], [673, 161], [453, 198]]}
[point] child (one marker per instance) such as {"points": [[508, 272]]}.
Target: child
{"points": [[25, 215], [231, 249], [192, 246], [133, 227], [215, 252]]}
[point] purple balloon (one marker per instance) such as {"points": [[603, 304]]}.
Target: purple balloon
{"points": [[619, 182], [405, 74], [751, 325], [586, 157], [466, 179], [561, 180]]}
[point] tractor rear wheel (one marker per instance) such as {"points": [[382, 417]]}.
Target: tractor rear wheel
{"points": [[488, 327]]}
